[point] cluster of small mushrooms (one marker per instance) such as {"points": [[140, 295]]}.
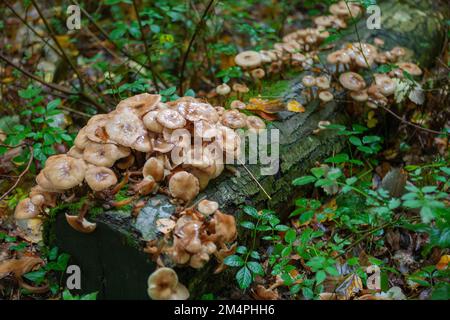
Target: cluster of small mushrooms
{"points": [[190, 240], [139, 138]]}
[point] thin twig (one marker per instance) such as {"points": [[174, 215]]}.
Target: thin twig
{"points": [[410, 123], [20, 176], [191, 42], [254, 178]]}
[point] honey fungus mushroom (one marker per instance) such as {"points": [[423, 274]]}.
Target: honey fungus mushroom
{"points": [[140, 104], [248, 59], [151, 122], [163, 284], [64, 172], [127, 129], [104, 154], [170, 119], [154, 167], [100, 178], [26, 209], [234, 119], [352, 81], [207, 207], [184, 185], [224, 227]]}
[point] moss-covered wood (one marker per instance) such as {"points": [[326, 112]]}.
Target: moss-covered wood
{"points": [[111, 258]]}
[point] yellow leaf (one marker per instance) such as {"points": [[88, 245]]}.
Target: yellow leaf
{"points": [[371, 120], [443, 263], [268, 106], [295, 106]]}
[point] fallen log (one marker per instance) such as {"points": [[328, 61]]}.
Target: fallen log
{"points": [[112, 260]]}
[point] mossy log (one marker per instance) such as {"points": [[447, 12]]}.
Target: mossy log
{"points": [[111, 259]]}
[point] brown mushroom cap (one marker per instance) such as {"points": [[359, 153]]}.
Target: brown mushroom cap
{"points": [[140, 104], [80, 225], [234, 119], [145, 186], [75, 152], [171, 119], [241, 88], [26, 209], [323, 82], [248, 59], [100, 178], [45, 184], [127, 129], [352, 81], [386, 84], [224, 227], [205, 129], [196, 111], [359, 96], [189, 236], [411, 68], [151, 122], [81, 140], [64, 172], [228, 141], [154, 167], [258, 73], [309, 81], [255, 123], [237, 104], [95, 128], [184, 186], [207, 207], [163, 285], [338, 57], [49, 197], [104, 155]]}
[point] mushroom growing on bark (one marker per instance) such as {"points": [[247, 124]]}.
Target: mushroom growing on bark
{"points": [[248, 59], [100, 178], [184, 186], [154, 167], [234, 119], [79, 223], [64, 172], [26, 209], [163, 285], [207, 207], [352, 81], [140, 104]]}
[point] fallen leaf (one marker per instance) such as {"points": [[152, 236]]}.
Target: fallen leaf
{"points": [[443, 263], [350, 287], [295, 106], [20, 266], [268, 106], [261, 293]]}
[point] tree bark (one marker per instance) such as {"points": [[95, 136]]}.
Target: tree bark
{"points": [[111, 258]]}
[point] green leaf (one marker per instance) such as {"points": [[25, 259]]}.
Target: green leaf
{"points": [[251, 212], [308, 293], [244, 278], [371, 139], [90, 296], [248, 225], [53, 104], [256, 268], [233, 261], [355, 141], [340, 158], [320, 276], [290, 236], [36, 276], [303, 180], [318, 172]]}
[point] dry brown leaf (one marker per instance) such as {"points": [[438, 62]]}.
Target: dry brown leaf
{"points": [[20, 266], [261, 293]]}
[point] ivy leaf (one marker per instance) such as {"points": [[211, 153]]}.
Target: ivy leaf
{"points": [[234, 261]]}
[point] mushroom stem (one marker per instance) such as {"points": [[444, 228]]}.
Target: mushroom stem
{"points": [[83, 211], [122, 183]]}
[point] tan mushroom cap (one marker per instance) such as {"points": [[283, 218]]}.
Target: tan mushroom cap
{"points": [[258, 73], [154, 167], [323, 82], [241, 88], [196, 111], [26, 209], [309, 81], [386, 84], [326, 96], [151, 122], [224, 227], [161, 145], [49, 197], [95, 128], [127, 129], [171, 119], [80, 225], [248, 59], [228, 141], [199, 259], [324, 21], [45, 184], [189, 236], [104, 155], [234, 119], [163, 285], [255, 123], [81, 140], [184, 186], [64, 172], [75, 152], [352, 81], [205, 129], [207, 207], [146, 186], [100, 178], [411, 68], [237, 104], [223, 89], [359, 96], [398, 52], [140, 104]]}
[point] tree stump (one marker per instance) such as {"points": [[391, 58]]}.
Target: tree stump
{"points": [[111, 259]]}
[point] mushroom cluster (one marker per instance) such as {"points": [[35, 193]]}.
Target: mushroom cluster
{"points": [[144, 137], [195, 235], [299, 47]]}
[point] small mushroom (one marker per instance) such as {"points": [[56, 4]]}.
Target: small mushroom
{"points": [[237, 104], [100, 178], [196, 111], [104, 154], [127, 129], [154, 167], [151, 122], [80, 224], [26, 209], [248, 59], [352, 81], [323, 83], [140, 104], [309, 82], [386, 84], [255, 124], [411, 68], [184, 186], [75, 152], [81, 140], [64, 172], [234, 119], [258, 74], [240, 89], [163, 285], [339, 58], [359, 96], [326, 96], [207, 207], [171, 119], [224, 227], [146, 186]]}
